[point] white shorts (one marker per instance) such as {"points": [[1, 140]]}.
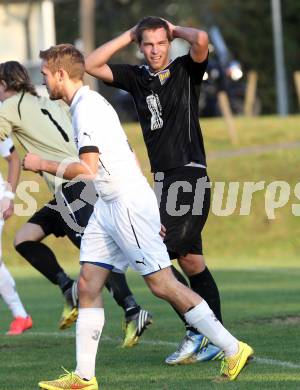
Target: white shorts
{"points": [[126, 232]]}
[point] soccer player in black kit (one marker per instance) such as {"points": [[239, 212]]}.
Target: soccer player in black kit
{"points": [[166, 96]]}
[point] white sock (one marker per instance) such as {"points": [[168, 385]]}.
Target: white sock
{"points": [[203, 319], [9, 293], [89, 326]]}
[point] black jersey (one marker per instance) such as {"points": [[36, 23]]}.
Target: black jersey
{"points": [[167, 106]]}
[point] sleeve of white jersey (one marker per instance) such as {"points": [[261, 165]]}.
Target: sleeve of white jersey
{"points": [[6, 147], [90, 126]]}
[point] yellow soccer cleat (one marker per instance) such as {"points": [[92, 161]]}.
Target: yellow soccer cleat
{"points": [[70, 311], [135, 327], [233, 365], [69, 381], [68, 317]]}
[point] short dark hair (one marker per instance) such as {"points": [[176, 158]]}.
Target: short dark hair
{"points": [[65, 56], [151, 23], [16, 77]]}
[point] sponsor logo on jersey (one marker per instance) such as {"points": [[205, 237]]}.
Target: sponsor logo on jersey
{"points": [[164, 75]]}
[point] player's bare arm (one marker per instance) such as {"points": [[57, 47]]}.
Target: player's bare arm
{"points": [[197, 38], [96, 62], [85, 169], [14, 168]]}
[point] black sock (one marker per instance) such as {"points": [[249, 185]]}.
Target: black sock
{"points": [[64, 281], [118, 287], [43, 260], [205, 285], [178, 275]]}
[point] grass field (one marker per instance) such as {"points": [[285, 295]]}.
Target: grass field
{"points": [[261, 307], [255, 261]]}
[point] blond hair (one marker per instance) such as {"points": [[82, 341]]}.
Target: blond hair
{"points": [[67, 57]]}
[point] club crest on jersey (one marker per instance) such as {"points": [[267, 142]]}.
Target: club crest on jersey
{"points": [[164, 75], [156, 111]]}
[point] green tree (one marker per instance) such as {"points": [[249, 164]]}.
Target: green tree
{"points": [[245, 25]]}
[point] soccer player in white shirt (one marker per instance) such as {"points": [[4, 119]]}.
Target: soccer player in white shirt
{"points": [[125, 223], [22, 321], [44, 127]]}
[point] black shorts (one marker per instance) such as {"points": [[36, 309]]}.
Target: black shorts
{"points": [[184, 207], [68, 213]]}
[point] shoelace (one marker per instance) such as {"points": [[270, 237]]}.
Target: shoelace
{"points": [[67, 373], [224, 366]]}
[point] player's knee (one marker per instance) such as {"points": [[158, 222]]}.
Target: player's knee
{"points": [[161, 283], [157, 291], [87, 289], [83, 286], [19, 238], [28, 232], [160, 291], [192, 264]]}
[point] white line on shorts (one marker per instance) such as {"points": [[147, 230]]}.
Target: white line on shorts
{"points": [[260, 360]]}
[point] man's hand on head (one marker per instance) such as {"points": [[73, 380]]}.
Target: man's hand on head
{"points": [[32, 162], [172, 27], [133, 34]]}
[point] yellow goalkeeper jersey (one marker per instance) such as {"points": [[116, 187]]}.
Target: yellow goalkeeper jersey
{"points": [[41, 125]]}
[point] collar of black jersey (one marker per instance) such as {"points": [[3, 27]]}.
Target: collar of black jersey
{"points": [[149, 77]]}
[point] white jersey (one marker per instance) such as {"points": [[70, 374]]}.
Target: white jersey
{"points": [[6, 147], [97, 129]]}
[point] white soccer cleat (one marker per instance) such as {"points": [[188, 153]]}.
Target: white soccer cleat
{"points": [[191, 343]]}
